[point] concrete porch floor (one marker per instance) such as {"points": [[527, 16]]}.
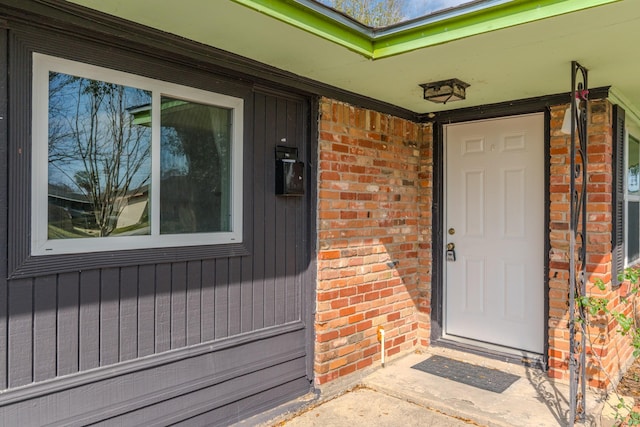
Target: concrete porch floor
{"points": [[399, 395]]}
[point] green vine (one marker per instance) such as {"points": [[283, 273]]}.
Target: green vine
{"points": [[598, 307]]}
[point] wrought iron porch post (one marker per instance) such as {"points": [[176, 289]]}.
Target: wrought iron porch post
{"points": [[578, 242]]}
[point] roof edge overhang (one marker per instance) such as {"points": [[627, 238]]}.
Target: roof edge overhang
{"points": [[416, 34]]}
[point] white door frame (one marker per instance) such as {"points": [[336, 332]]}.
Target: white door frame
{"points": [[442, 315]]}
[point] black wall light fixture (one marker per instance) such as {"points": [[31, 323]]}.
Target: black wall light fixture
{"points": [[444, 91]]}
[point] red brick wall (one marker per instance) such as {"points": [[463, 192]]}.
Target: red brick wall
{"points": [[374, 237], [606, 347]]}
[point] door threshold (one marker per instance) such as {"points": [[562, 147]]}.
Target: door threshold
{"points": [[526, 359]]}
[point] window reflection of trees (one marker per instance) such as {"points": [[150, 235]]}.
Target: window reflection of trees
{"points": [[99, 159]]}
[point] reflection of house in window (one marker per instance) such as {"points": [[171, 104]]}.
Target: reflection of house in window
{"points": [[132, 210], [71, 214]]}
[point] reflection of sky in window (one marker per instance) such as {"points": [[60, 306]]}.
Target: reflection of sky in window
{"points": [[83, 112], [414, 8]]}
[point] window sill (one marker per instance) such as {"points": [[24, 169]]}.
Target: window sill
{"points": [[34, 266]]}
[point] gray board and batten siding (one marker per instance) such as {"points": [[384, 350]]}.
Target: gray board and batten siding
{"points": [[199, 335]]}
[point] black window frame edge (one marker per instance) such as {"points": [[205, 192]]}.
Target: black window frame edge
{"points": [[23, 42]]}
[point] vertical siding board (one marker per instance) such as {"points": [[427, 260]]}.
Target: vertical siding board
{"points": [[128, 335], [235, 295], [245, 263], [20, 339], [4, 176], [270, 248], [163, 307], [208, 300], [302, 218], [293, 216], [280, 228], [89, 320], [246, 297], [19, 152], [68, 318], [4, 287], [44, 328], [146, 310], [20, 292], [194, 317], [178, 305], [259, 210], [109, 316], [221, 314]]}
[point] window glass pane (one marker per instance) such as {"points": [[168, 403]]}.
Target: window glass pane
{"points": [[195, 165], [633, 231], [99, 162]]}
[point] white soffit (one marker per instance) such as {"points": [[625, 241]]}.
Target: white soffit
{"points": [[524, 61]]}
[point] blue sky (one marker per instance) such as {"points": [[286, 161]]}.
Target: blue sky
{"points": [[417, 8]]}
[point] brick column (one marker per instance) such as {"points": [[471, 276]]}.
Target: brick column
{"points": [[608, 352], [425, 221]]}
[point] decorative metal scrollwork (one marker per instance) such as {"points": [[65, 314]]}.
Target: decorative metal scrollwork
{"points": [[578, 242]]}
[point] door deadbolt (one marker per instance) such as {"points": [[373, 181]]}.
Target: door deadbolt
{"points": [[452, 231]]}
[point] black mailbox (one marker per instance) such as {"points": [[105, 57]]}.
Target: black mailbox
{"points": [[289, 172]]}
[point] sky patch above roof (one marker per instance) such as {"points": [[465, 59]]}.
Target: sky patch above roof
{"points": [[390, 12], [418, 8]]}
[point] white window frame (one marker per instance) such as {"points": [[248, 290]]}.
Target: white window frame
{"points": [[628, 198], [41, 245]]}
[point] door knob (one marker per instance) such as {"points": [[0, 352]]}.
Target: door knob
{"points": [[451, 253]]}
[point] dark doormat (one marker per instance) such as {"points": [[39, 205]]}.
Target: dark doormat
{"points": [[466, 373]]}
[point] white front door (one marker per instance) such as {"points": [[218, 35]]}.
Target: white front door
{"points": [[494, 289]]}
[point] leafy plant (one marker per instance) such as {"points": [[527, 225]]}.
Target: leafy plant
{"points": [[598, 307]]}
